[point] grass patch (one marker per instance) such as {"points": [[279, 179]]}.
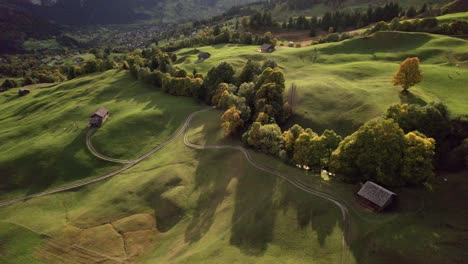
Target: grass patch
{"points": [[43, 134], [351, 81]]}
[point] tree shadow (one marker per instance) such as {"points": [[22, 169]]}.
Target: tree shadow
{"points": [[310, 211], [254, 213], [409, 98], [48, 167], [212, 185]]}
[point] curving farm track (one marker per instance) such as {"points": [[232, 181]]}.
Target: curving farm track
{"points": [[182, 130], [298, 184], [128, 165]]}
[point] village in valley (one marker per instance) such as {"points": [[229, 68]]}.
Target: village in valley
{"points": [[283, 131]]}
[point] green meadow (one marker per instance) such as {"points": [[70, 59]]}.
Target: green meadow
{"points": [[350, 81], [454, 16], [43, 133], [182, 205]]}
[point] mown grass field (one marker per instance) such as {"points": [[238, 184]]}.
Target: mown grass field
{"points": [[43, 133], [350, 81], [454, 16], [190, 206]]}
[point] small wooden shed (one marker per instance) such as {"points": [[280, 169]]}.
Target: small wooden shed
{"points": [[98, 117], [376, 196], [203, 55], [267, 48], [23, 92]]}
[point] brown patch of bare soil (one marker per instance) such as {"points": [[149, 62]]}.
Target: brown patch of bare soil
{"points": [[137, 222], [137, 242], [103, 238], [121, 241]]}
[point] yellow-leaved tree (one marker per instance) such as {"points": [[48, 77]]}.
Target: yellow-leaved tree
{"points": [[408, 74], [231, 121]]}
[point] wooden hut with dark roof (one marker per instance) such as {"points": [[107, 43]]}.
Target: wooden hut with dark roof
{"points": [[376, 196], [203, 56], [98, 117], [267, 48]]}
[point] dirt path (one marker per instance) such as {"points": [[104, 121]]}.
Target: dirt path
{"points": [[298, 184], [108, 175], [182, 130], [93, 151]]}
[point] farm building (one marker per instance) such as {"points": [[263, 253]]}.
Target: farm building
{"points": [[376, 196], [23, 92], [267, 48], [98, 117], [203, 55]]}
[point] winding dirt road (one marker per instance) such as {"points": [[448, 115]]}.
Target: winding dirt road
{"points": [[128, 165], [298, 184], [182, 130]]}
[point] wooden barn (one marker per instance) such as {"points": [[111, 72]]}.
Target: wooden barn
{"points": [[203, 55], [98, 117], [376, 196], [23, 92], [267, 48]]}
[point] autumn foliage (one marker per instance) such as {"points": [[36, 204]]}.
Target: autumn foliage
{"points": [[408, 74], [231, 121]]}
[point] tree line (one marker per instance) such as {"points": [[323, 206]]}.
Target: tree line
{"points": [[398, 149]]}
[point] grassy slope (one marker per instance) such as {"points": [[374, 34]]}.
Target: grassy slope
{"points": [[454, 16], [43, 134], [206, 213], [351, 81], [239, 215]]}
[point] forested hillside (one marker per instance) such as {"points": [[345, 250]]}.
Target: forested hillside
{"points": [[79, 12]]}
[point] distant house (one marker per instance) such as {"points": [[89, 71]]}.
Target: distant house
{"points": [[267, 48], [376, 196], [203, 55], [98, 117], [23, 92]]}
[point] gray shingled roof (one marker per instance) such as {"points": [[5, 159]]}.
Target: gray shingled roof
{"points": [[204, 55], [266, 46], [102, 112], [375, 193]]}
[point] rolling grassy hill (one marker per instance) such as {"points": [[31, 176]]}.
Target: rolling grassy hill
{"points": [[454, 16], [350, 82], [188, 206], [43, 134]]}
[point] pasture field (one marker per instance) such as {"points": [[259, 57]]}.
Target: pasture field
{"points": [[350, 81], [43, 133], [454, 16], [183, 206]]}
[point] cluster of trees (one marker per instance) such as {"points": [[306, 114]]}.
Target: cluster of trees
{"points": [[380, 151], [9, 83], [225, 36], [398, 149], [259, 20], [340, 20], [33, 69], [434, 121], [430, 25]]}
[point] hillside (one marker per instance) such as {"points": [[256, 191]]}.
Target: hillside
{"points": [[178, 207], [87, 12], [350, 81], [43, 134]]}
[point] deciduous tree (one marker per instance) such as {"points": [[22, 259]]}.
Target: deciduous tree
{"points": [[408, 74], [231, 121]]}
